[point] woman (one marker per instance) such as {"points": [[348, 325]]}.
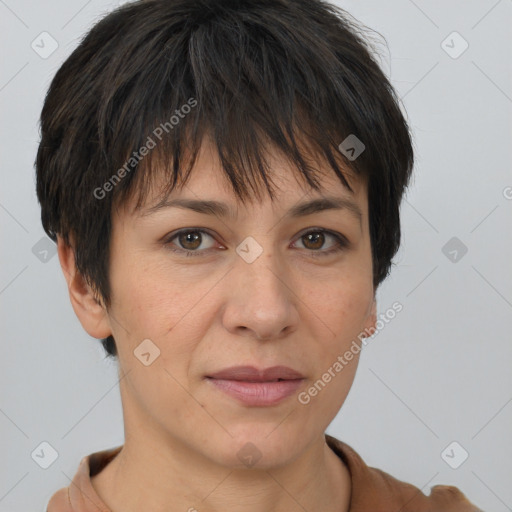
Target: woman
{"points": [[223, 181]]}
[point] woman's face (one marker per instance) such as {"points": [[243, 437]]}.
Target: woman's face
{"points": [[259, 288]]}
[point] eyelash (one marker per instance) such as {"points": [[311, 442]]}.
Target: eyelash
{"points": [[341, 242]]}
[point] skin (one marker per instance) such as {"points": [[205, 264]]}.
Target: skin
{"points": [[215, 310]]}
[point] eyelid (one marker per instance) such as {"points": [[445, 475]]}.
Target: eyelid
{"points": [[314, 229], [342, 242], [167, 238]]}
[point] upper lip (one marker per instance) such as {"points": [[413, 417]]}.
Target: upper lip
{"points": [[250, 373]]}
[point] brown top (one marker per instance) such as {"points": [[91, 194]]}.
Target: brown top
{"points": [[373, 490]]}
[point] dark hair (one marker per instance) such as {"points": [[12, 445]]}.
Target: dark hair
{"points": [[295, 74]]}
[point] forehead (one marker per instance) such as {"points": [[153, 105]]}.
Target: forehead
{"points": [[209, 182]]}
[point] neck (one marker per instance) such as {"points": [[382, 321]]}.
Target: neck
{"points": [[143, 476], [161, 472]]}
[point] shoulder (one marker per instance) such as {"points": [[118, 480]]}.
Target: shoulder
{"points": [[374, 489], [451, 498], [59, 502], [80, 495]]}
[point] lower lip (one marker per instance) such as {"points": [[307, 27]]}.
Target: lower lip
{"points": [[258, 393]]}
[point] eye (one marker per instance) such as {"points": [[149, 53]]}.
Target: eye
{"points": [[188, 241], [315, 238]]}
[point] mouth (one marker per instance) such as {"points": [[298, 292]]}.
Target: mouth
{"points": [[254, 387], [252, 374]]}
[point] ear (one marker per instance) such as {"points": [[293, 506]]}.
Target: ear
{"points": [[370, 325], [90, 312]]}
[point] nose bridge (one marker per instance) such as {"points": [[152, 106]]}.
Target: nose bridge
{"points": [[260, 269], [260, 300]]}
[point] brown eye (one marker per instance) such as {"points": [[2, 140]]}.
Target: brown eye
{"points": [[314, 240], [190, 240]]}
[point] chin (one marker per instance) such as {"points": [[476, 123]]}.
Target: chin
{"points": [[259, 446]]}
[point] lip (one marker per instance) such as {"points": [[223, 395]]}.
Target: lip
{"points": [[255, 387], [252, 374]]}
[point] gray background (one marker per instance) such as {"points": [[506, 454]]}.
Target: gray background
{"points": [[438, 372]]}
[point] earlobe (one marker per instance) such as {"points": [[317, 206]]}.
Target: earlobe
{"points": [[371, 320], [89, 310]]}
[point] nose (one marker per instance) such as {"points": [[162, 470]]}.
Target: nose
{"points": [[260, 302]]}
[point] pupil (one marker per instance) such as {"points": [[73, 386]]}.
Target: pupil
{"points": [[190, 238], [317, 237]]}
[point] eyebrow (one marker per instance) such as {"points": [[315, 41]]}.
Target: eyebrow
{"points": [[212, 207]]}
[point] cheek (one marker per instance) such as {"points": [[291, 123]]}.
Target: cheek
{"points": [[342, 306], [158, 393], [152, 297], [166, 307]]}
